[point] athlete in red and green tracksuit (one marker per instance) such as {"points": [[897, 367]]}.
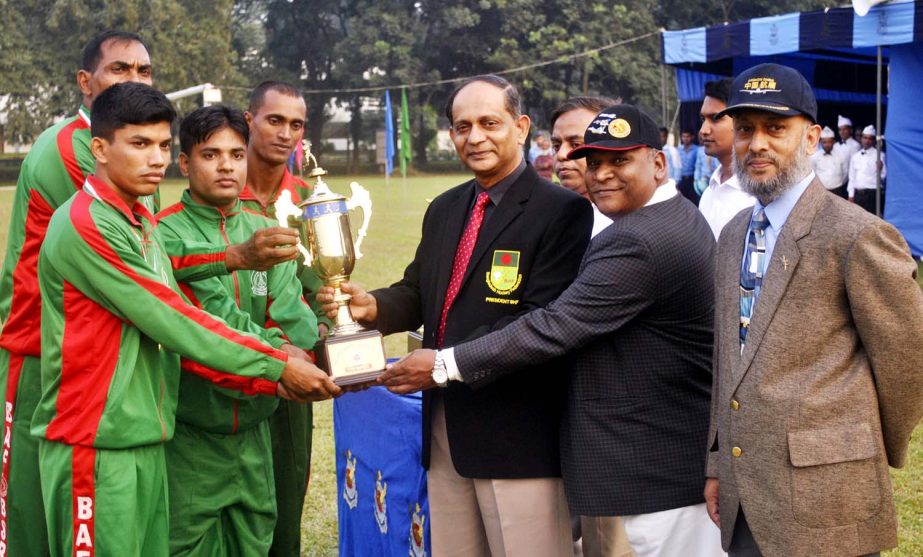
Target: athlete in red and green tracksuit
{"points": [[109, 303], [292, 424], [54, 169], [219, 461]]}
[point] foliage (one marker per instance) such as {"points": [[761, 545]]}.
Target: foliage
{"points": [[189, 42]]}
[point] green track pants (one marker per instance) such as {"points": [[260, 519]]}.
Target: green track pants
{"points": [[105, 503], [222, 496]]}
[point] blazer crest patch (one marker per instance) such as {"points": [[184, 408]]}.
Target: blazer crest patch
{"points": [[504, 277]]}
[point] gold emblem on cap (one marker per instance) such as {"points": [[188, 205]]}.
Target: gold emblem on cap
{"points": [[619, 128]]}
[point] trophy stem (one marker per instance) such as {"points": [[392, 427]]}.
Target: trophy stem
{"points": [[344, 323]]}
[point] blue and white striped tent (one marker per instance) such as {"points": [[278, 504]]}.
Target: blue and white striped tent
{"points": [[836, 50]]}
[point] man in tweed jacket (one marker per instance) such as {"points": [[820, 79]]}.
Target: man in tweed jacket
{"points": [[636, 326], [825, 388]]}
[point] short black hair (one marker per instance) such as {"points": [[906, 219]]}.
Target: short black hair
{"points": [[593, 104], [126, 104], [281, 87], [93, 50], [202, 123], [511, 101], [689, 132], [719, 89], [664, 130]]}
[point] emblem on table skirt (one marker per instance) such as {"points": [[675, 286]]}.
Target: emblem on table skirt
{"points": [[416, 534], [381, 505], [350, 495]]}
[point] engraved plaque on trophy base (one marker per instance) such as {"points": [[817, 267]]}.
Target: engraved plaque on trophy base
{"points": [[352, 358]]}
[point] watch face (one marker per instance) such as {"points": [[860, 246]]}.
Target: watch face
{"points": [[440, 376]]}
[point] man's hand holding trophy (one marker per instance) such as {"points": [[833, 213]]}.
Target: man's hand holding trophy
{"points": [[350, 353]]}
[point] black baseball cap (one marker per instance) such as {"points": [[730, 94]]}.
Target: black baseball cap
{"points": [[618, 128], [772, 88]]}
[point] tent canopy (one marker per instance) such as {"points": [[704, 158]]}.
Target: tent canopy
{"points": [[836, 51]]}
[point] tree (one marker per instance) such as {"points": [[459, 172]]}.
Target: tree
{"points": [[189, 42]]}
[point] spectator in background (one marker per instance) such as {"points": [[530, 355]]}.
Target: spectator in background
{"points": [[541, 145], [846, 146], [864, 167], [674, 162], [688, 152], [722, 197], [831, 166]]}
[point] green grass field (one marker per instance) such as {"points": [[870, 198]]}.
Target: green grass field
{"points": [[393, 235]]}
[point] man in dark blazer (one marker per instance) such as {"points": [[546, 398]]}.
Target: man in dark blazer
{"points": [[492, 454], [636, 326], [818, 389]]}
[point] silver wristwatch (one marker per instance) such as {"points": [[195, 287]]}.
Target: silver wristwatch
{"points": [[440, 373]]}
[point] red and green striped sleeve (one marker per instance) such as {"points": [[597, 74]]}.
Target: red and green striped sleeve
{"points": [[118, 273], [50, 174]]}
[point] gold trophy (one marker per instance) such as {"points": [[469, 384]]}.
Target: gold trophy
{"points": [[350, 353]]}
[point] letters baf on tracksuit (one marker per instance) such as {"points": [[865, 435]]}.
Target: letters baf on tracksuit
{"points": [[113, 320], [291, 426], [54, 169], [219, 462]]}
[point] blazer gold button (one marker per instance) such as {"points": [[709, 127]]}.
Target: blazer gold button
{"points": [[735, 405], [736, 452]]}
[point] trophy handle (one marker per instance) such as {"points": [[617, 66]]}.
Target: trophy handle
{"points": [[286, 212], [363, 200]]}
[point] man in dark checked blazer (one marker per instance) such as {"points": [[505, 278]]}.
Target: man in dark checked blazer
{"points": [[636, 328]]}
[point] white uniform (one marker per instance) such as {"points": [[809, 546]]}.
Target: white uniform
{"points": [[863, 171], [832, 168], [847, 148]]}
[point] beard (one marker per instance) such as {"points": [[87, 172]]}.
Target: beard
{"points": [[769, 189]]}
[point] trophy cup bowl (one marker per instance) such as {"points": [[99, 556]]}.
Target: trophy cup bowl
{"points": [[350, 353]]}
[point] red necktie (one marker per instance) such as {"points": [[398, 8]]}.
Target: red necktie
{"points": [[462, 256]]}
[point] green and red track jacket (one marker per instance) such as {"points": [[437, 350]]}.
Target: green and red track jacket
{"points": [[253, 301], [300, 191], [109, 303]]}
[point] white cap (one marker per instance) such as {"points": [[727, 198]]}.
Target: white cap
{"points": [[869, 130], [843, 121], [827, 133]]}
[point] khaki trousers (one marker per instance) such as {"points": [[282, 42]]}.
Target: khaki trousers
{"points": [[604, 536], [484, 517]]}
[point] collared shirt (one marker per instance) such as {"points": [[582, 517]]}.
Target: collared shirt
{"points": [[674, 161], [863, 172], [832, 168], [847, 148], [688, 156], [600, 221], [705, 166], [721, 201], [496, 192], [777, 212]]}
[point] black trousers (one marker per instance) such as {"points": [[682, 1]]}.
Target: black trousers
{"points": [[866, 200], [686, 187], [743, 544]]}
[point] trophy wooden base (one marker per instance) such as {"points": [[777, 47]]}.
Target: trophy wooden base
{"points": [[352, 358]]}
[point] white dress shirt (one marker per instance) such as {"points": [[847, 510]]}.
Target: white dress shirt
{"points": [[847, 149], [863, 171], [600, 221], [832, 168], [722, 200]]}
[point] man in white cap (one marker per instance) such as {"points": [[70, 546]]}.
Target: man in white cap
{"points": [[864, 167], [830, 165], [847, 146]]}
